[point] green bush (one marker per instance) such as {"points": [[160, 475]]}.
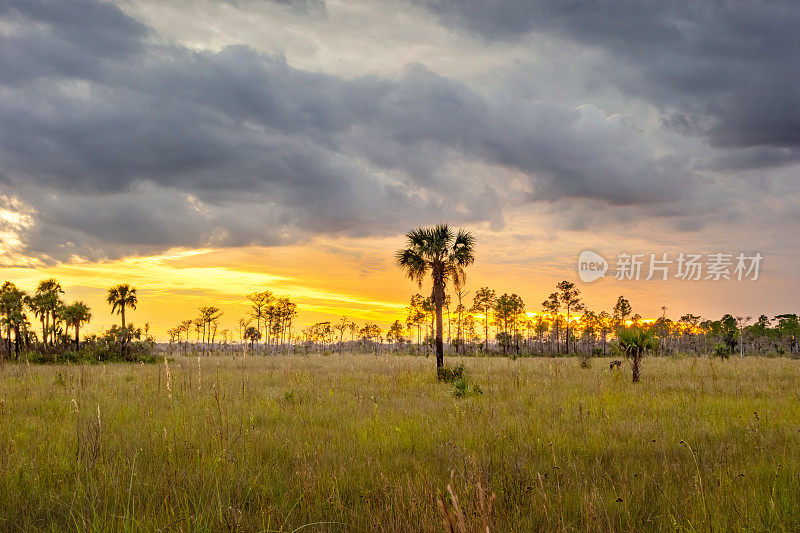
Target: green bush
{"points": [[450, 375], [721, 350], [95, 352], [460, 381]]}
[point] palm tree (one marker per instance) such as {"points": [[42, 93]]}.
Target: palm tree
{"points": [[445, 254], [74, 315], [47, 301], [635, 343], [121, 296], [252, 334], [12, 308]]}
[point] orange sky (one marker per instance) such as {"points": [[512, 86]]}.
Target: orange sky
{"points": [[356, 277]]}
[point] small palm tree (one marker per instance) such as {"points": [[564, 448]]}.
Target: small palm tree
{"points": [[444, 254], [635, 343], [122, 296], [74, 315]]}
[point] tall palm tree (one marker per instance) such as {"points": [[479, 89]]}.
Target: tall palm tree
{"points": [[74, 315], [121, 296], [444, 254]]}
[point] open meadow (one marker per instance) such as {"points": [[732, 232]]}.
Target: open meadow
{"points": [[371, 443]]}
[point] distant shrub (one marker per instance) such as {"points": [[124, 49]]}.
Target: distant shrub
{"points": [[722, 351]]}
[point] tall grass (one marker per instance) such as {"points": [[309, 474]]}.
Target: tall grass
{"points": [[375, 443]]}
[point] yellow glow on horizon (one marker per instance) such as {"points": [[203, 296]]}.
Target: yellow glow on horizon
{"points": [[172, 285], [327, 278]]}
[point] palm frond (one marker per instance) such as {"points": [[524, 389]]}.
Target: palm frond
{"points": [[413, 263], [437, 247], [464, 248]]}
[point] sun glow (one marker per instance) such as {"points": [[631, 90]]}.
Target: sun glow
{"points": [[172, 285]]}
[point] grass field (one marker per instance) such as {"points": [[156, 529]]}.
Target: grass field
{"points": [[369, 443]]}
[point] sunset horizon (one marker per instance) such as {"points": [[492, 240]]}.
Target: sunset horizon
{"points": [[173, 285]]}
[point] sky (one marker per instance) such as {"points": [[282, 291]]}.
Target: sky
{"points": [[202, 150]]}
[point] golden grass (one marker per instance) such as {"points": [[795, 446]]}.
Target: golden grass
{"points": [[372, 443]]}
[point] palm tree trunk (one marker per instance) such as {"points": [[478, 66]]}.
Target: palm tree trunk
{"points": [[77, 336], [635, 368], [124, 333], [438, 297]]}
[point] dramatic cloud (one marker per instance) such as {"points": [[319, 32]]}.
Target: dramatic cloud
{"points": [[728, 71], [119, 142]]}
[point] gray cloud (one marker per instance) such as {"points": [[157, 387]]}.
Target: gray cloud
{"points": [[728, 71], [122, 143], [74, 39]]}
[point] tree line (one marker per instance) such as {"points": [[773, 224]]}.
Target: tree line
{"points": [[563, 325], [270, 319], [451, 319], [564, 322], [60, 323]]}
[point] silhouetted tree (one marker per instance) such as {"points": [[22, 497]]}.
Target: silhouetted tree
{"points": [[483, 303], [76, 314], [570, 298], [444, 254]]}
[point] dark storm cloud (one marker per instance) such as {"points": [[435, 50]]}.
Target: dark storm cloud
{"points": [[120, 144], [75, 38], [729, 71]]}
